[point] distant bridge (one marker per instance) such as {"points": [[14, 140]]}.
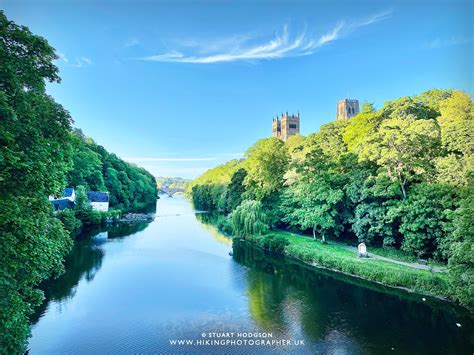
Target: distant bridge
{"points": [[170, 191]]}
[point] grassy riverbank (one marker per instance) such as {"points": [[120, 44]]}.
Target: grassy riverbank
{"points": [[338, 258]]}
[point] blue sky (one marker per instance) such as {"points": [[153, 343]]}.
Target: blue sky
{"points": [[179, 87]]}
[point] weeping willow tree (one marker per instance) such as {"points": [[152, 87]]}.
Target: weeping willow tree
{"points": [[249, 219]]}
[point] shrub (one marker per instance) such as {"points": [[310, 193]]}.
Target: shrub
{"points": [[224, 225], [249, 219], [69, 220]]}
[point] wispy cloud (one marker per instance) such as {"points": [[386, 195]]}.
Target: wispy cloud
{"points": [[131, 42], [448, 42], [282, 45], [62, 57], [81, 62], [374, 18], [77, 63]]}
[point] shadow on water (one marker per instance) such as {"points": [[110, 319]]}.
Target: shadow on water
{"points": [[83, 262], [359, 316]]}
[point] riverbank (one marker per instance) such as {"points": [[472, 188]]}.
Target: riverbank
{"points": [[340, 259]]}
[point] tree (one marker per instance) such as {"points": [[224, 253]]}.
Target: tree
{"points": [[87, 165], [457, 124], [392, 177], [83, 210], [34, 157], [404, 149], [427, 220], [266, 163], [374, 199], [130, 187], [461, 261], [249, 219], [315, 200], [236, 189], [313, 206]]}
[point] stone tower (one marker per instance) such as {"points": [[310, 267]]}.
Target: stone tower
{"points": [[347, 108], [286, 127], [276, 128]]}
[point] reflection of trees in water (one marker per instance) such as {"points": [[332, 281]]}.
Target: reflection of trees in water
{"points": [[210, 218], [208, 221], [324, 304], [84, 261]]}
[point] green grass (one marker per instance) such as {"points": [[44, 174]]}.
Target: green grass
{"points": [[394, 254], [401, 256], [338, 258]]}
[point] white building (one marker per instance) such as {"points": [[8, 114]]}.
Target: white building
{"points": [[99, 200], [68, 194]]}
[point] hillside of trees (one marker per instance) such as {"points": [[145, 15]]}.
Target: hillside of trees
{"points": [[172, 182], [40, 154], [130, 187], [399, 178]]}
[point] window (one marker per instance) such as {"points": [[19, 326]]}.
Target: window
{"points": [[292, 126]]}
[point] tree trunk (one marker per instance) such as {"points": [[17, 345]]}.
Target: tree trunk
{"points": [[402, 186], [314, 232]]}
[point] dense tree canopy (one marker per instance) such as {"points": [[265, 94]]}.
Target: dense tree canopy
{"points": [[129, 186], [398, 177], [34, 157], [39, 156]]}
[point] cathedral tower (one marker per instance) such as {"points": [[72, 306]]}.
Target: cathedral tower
{"points": [[286, 127], [347, 108]]}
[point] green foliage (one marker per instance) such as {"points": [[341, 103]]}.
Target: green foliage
{"points": [[172, 182], [266, 162], [209, 191], [130, 187], [313, 206], [39, 155], [457, 123], [390, 177], [461, 261], [249, 219], [375, 220], [87, 165], [69, 220], [209, 197], [236, 189], [35, 154], [83, 210], [427, 220], [274, 243], [338, 258], [223, 224]]}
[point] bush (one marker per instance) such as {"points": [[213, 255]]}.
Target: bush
{"points": [[224, 225], [69, 220], [249, 219], [275, 243]]}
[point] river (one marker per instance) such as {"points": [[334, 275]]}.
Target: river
{"points": [[138, 289]]}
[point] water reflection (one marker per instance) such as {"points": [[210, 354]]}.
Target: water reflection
{"points": [[83, 262], [132, 288], [343, 316], [208, 222]]}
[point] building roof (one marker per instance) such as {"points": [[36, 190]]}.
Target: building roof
{"points": [[68, 191], [62, 204], [97, 196]]}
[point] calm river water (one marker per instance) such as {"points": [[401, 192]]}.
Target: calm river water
{"points": [[137, 289]]}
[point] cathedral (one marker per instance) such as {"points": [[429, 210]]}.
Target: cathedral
{"points": [[288, 126]]}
